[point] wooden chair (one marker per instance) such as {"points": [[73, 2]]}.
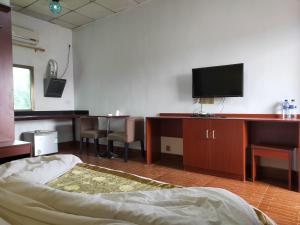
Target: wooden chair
{"points": [[89, 128], [272, 152], [134, 131]]}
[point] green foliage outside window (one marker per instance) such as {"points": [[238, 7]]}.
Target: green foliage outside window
{"points": [[22, 87]]}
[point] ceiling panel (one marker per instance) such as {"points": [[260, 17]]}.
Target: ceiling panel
{"points": [[74, 13], [73, 4], [22, 3], [94, 11], [117, 5], [75, 18], [42, 7], [36, 14], [16, 7], [63, 24]]}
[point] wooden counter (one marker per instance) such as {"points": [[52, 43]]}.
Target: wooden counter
{"points": [[219, 145]]}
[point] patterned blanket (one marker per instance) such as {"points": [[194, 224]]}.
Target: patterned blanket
{"points": [[85, 178]]}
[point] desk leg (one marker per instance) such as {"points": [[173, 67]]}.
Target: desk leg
{"points": [[74, 129], [107, 133], [298, 157], [152, 140]]}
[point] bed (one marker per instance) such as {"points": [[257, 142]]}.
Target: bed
{"points": [[61, 190]]}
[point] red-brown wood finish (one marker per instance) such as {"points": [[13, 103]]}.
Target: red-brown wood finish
{"points": [[279, 134], [216, 146], [229, 115], [298, 157], [6, 78], [196, 143], [227, 152], [272, 152], [153, 140], [171, 128], [259, 129], [14, 148]]}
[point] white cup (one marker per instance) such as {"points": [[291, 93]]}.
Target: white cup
{"points": [[118, 113]]}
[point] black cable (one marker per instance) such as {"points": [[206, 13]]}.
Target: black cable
{"points": [[68, 62]]}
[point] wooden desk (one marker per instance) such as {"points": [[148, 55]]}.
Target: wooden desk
{"points": [[219, 145], [52, 115], [14, 148]]}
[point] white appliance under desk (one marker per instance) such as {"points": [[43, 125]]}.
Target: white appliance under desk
{"points": [[43, 142]]}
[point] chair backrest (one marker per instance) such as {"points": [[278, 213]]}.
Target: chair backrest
{"points": [[134, 129], [88, 123]]}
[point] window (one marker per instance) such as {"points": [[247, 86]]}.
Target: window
{"points": [[23, 86]]}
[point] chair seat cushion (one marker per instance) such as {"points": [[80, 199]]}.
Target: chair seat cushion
{"points": [[93, 133], [117, 136]]}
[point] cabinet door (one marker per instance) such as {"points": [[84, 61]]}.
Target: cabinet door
{"points": [[6, 78], [227, 153], [196, 143]]}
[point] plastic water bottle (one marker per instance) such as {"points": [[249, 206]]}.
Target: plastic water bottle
{"points": [[292, 109], [285, 109]]}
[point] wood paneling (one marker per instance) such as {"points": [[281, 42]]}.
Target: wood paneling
{"points": [[171, 128], [275, 133], [6, 78], [15, 148], [153, 141], [196, 143], [228, 152], [214, 147]]}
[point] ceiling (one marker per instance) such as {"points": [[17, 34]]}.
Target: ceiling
{"points": [[75, 13]]}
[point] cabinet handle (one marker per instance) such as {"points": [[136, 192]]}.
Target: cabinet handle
{"points": [[207, 134], [213, 134]]}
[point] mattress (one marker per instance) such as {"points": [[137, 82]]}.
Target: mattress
{"points": [[60, 190]]}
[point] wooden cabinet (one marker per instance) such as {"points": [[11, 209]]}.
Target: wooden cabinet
{"points": [[227, 153], [6, 78], [196, 143], [216, 145]]}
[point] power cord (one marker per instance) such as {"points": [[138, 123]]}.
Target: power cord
{"points": [[68, 62]]}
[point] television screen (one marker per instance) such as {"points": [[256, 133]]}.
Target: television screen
{"points": [[218, 81]]}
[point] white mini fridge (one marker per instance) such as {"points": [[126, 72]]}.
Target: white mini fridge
{"points": [[43, 142]]}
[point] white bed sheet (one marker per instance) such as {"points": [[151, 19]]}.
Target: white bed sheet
{"points": [[26, 200]]}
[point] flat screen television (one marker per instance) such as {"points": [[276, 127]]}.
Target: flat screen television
{"points": [[219, 81]]}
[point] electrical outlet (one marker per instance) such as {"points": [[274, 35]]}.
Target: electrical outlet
{"points": [[168, 148]]}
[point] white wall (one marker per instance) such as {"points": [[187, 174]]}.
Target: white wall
{"points": [[140, 61], [55, 40]]}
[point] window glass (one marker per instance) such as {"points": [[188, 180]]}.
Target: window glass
{"points": [[23, 81]]}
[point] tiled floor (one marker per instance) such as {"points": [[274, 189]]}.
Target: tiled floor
{"points": [[282, 205]]}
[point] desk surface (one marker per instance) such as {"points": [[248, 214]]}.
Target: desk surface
{"points": [[112, 116], [13, 143], [244, 117], [48, 115]]}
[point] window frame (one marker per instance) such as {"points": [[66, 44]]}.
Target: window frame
{"points": [[31, 68]]}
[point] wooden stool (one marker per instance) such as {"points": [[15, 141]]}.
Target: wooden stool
{"points": [[272, 152]]}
